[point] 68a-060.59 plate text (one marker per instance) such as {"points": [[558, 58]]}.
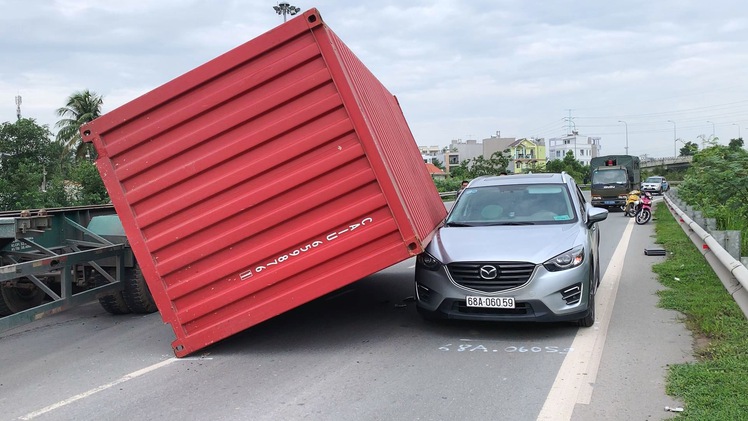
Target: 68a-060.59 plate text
{"points": [[490, 302]]}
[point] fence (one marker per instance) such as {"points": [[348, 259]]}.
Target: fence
{"points": [[714, 245]]}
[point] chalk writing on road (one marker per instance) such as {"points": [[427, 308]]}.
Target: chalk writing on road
{"points": [[520, 349]]}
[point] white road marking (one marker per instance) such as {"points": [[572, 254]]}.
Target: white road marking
{"points": [[86, 394], [578, 372]]}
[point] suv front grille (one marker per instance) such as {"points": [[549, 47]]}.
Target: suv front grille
{"points": [[508, 275]]}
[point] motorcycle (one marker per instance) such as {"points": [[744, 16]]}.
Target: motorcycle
{"points": [[644, 209], [629, 208]]}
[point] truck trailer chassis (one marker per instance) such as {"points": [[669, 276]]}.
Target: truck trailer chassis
{"points": [[52, 260]]}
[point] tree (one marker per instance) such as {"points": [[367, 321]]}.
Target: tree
{"points": [[37, 172], [81, 108], [536, 167], [571, 165], [437, 163], [476, 167], [725, 171], [736, 143], [91, 187], [689, 149], [29, 161]]}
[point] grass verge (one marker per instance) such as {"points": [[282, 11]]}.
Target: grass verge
{"points": [[715, 387]]}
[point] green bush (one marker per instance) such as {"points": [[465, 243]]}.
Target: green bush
{"points": [[717, 185], [448, 184]]}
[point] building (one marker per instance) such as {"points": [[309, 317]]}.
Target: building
{"points": [[523, 154], [469, 149], [497, 143], [436, 172], [451, 159], [526, 154], [430, 150], [584, 148], [459, 151]]}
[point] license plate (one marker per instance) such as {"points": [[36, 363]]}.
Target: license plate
{"points": [[609, 202], [490, 302]]}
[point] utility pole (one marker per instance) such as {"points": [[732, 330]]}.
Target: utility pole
{"points": [[570, 122], [572, 132], [18, 106], [675, 139], [627, 135]]}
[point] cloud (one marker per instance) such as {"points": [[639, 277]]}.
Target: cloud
{"points": [[458, 68]]}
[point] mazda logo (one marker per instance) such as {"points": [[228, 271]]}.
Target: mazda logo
{"points": [[488, 272]]}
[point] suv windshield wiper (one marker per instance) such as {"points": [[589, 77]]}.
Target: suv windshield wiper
{"points": [[458, 224], [510, 223]]}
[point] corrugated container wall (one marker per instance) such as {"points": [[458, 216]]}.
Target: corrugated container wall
{"points": [[274, 174]]}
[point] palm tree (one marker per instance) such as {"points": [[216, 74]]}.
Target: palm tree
{"points": [[81, 108]]}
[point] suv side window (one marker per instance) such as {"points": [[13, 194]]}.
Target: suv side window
{"points": [[582, 203]]}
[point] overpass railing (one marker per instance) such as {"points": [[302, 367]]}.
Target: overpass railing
{"points": [[663, 162]]}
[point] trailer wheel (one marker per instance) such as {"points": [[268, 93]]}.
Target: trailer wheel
{"points": [[114, 303], [136, 293], [13, 299]]}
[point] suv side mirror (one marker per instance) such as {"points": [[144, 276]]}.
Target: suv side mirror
{"points": [[595, 215]]}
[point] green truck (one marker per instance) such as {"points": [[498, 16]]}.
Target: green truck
{"points": [[612, 178]]}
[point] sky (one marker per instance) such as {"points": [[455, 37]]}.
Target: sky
{"points": [[647, 74]]}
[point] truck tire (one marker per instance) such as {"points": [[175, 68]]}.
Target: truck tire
{"points": [[136, 293], [112, 303], [13, 300]]}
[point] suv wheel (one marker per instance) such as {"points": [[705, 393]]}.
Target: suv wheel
{"points": [[589, 319]]}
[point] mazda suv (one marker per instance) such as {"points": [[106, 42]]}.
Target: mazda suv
{"points": [[655, 185], [514, 248]]}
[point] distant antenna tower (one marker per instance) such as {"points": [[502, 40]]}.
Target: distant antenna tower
{"points": [[18, 106]]}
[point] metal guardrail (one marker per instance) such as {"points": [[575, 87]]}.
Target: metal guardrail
{"points": [[732, 273], [448, 194]]}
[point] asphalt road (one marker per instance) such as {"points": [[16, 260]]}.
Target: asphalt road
{"points": [[362, 353]]}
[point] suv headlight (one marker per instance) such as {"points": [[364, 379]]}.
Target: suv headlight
{"points": [[428, 261], [566, 260]]}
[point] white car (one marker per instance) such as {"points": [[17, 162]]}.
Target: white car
{"points": [[655, 185]]}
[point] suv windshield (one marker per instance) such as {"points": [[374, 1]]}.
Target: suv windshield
{"points": [[653, 180], [519, 204]]}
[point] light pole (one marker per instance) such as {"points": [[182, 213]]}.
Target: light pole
{"points": [[712, 127], [283, 8], [736, 124], [627, 135], [675, 152]]}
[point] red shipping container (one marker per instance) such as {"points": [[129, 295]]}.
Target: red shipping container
{"points": [[267, 177]]}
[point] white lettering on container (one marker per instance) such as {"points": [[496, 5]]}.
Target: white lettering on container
{"points": [[305, 248]]}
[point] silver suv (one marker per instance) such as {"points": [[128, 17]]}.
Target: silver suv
{"points": [[517, 247], [655, 185]]}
